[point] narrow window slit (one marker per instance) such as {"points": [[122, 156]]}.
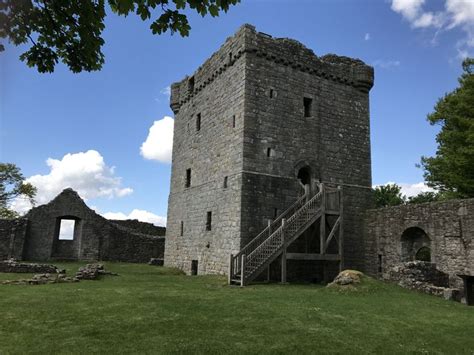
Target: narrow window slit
{"points": [[188, 178], [209, 221], [307, 102]]}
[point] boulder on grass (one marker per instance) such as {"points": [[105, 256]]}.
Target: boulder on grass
{"points": [[346, 278]]}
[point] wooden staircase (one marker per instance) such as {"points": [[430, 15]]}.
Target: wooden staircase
{"points": [[274, 240]]}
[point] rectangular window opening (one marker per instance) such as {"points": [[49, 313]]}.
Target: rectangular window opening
{"points": [[225, 182], [66, 229], [230, 58], [269, 152], [188, 178], [181, 231], [275, 213], [307, 102], [380, 263], [233, 121], [271, 93], [198, 122], [209, 221]]}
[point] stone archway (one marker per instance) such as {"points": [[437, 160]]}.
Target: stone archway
{"points": [[415, 245], [304, 175]]}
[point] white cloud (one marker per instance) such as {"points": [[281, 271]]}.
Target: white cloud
{"points": [[386, 64], [410, 189], [85, 172], [159, 143], [141, 215], [367, 37], [456, 14], [429, 19], [166, 91], [409, 9]]}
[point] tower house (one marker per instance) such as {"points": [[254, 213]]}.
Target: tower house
{"points": [[262, 122]]}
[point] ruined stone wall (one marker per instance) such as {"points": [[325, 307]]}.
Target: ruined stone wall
{"points": [[94, 238], [212, 153], [43, 242], [449, 226], [261, 81], [141, 227], [12, 238], [334, 140], [123, 244]]}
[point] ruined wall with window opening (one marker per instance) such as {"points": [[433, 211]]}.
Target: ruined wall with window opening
{"points": [[67, 229]]}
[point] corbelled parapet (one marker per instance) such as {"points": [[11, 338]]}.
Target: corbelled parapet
{"points": [[283, 51]]}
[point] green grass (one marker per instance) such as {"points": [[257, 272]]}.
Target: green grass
{"points": [[156, 310]]}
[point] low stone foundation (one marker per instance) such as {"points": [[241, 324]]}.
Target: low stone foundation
{"points": [[15, 267], [425, 277], [92, 272]]}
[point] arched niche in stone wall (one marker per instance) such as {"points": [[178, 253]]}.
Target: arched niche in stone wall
{"points": [[415, 245]]}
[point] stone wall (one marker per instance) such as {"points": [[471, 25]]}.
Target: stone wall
{"points": [[254, 132], [449, 227], [12, 238], [215, 93], [141, 227], [123, 244], [37, 237]]}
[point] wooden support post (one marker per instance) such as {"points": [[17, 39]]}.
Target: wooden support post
{"points": [[242, 270], [283, 254], [231, 267], [322, 224], [341, 229], [307, 189]]}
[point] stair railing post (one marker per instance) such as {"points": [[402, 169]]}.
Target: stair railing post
{"points": [[269, 223], [283, 254], [242, 270], [231, 268], [322, 229], [341, 229]]}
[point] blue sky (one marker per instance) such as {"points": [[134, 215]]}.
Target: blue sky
{"points": [[86, 130]]}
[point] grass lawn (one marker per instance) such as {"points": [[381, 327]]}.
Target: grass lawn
{"points": [[150, 309]]}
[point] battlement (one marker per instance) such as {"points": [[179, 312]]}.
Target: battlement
{"points": [[280, 51]]}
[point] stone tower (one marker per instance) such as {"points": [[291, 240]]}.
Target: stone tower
{"points": [[260, 118]]}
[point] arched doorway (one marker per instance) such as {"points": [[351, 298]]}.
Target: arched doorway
{"points": [[415, 245], [304, 175]]}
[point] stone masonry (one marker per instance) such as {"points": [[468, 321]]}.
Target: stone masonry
{"points": [[394, 235], [36, 237], [247, 121]]}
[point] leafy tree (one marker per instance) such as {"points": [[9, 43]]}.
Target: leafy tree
{"points": [[70, 30], [12, 185], [388, 195], [451, 170], [427, 196]]}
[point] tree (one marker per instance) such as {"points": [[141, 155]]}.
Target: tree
{"points": [[70, 30], [426, 196], [388, 195], [12, 185], [451, 170]]}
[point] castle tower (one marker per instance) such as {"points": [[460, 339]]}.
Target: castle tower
{"points": [[261, 118]]}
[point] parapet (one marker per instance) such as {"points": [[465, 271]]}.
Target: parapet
{"points": [[284, 51]]}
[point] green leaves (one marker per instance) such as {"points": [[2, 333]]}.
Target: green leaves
{"points": [[12, 185], [388, 195], [70, 31], [452, 168]]}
